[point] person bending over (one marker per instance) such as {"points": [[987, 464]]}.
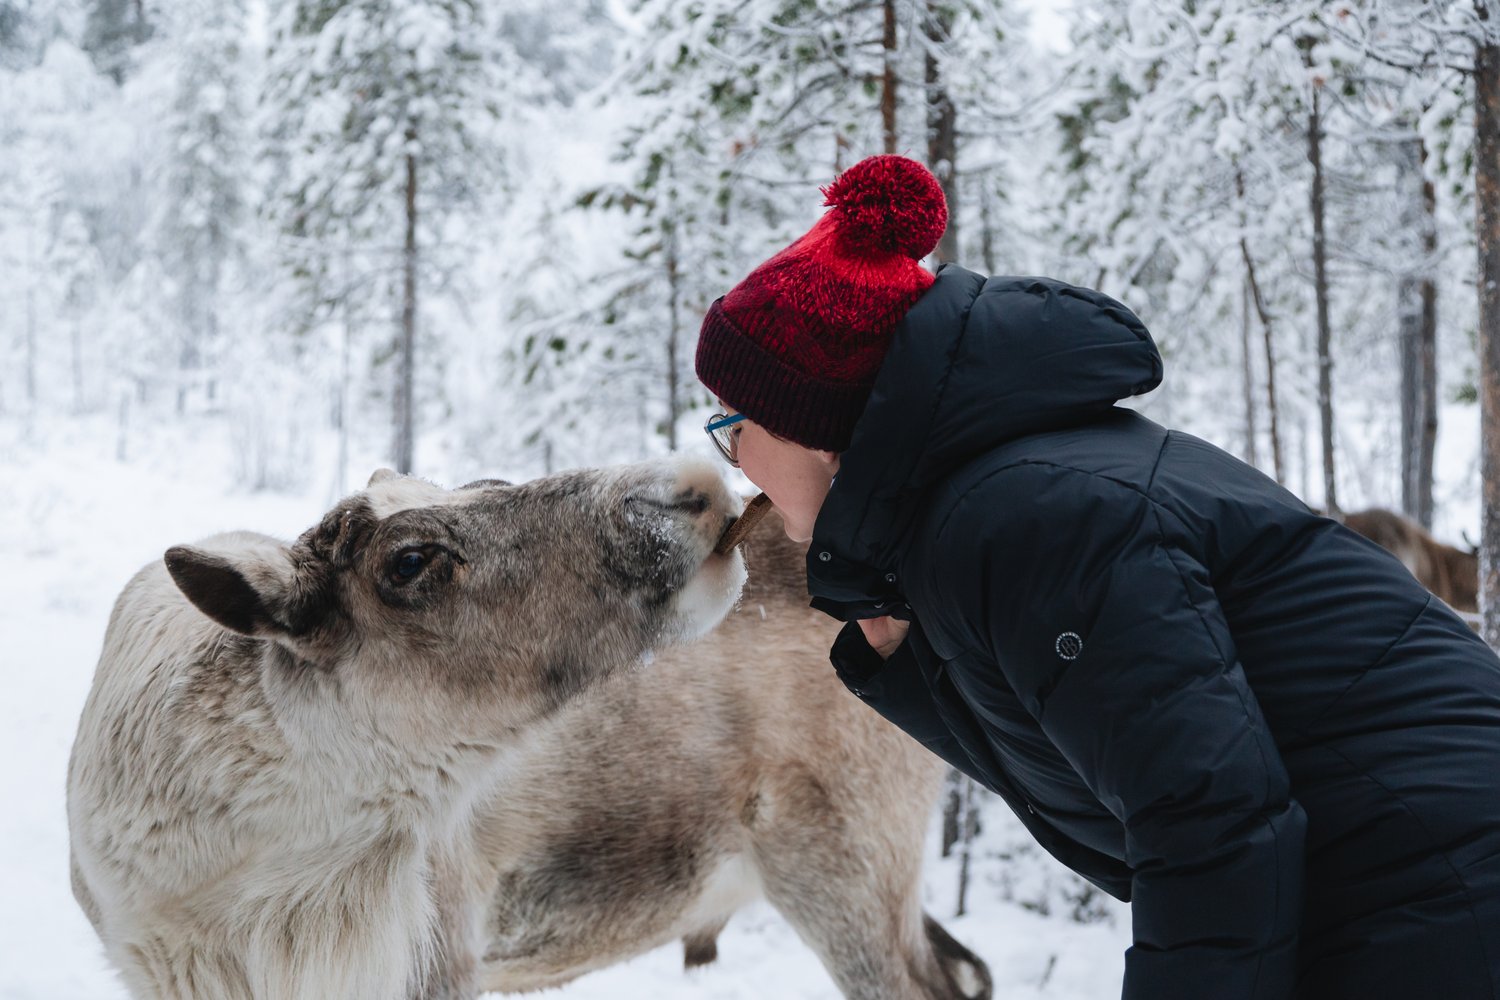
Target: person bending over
{"points": [[1240, 716]]}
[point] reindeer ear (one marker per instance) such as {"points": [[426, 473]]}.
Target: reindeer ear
{"points": [[221, 589], [382, 475]]}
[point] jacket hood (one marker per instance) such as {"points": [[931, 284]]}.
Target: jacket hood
{"points": [[975, 363]]}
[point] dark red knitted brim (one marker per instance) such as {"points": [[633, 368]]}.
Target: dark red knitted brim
{"points": [[813, 412]]}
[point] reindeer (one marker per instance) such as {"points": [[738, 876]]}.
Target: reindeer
{"points": [[731, 769], [364, 764], [1450, 573]]}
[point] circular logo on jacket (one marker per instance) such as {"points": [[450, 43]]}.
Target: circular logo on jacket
{"points": [[1069, 645]]}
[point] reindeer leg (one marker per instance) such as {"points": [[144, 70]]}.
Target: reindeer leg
{"points": [[967, 976], [849, 884], [702, 946]]}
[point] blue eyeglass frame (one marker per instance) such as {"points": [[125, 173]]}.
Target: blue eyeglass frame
{"points": [[716, 425]]}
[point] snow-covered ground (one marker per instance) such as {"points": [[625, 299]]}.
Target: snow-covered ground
{"points": [[75, 524]]}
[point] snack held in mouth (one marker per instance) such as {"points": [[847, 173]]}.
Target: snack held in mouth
{"points": [[755, 509]]}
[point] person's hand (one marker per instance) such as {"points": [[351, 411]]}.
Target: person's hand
{"points": [[885, 634]]}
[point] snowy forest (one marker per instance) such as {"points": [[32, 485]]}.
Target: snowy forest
{"points": [[251, 250], [451, 236]]}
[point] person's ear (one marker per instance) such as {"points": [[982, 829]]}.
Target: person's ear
{"points": [[829, 458]]}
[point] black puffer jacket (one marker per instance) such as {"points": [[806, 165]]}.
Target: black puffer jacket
{"points": [[1204, 698]]}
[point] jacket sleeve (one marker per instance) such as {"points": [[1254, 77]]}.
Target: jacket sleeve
{"points": [[895, 688], [1085, 593]]}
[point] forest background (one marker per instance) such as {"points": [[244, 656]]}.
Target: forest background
{"points": [[460, 237]]}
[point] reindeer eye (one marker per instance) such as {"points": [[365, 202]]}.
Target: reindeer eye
{"points": [[407, 565]]}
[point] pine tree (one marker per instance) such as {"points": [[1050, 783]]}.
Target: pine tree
{"points": [[76, 274], [1434, 42], [16, 34], [201, 226], [384, 118], [31, 201], [740, 115], [1191, 142], [567, 43], [1487, 198], [113, 30], [729, 111]]}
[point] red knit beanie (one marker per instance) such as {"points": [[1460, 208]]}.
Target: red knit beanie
{"points": [[797, 344]]}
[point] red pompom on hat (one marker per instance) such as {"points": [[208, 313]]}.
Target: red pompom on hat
{"points": [[797, 344]]}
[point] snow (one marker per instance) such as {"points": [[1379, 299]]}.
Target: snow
{"points": [[77, 524]]}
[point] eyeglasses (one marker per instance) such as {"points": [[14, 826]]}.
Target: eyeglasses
{"points": [[720, 428]]}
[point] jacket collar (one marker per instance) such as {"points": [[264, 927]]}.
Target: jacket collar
{"points": [[976, 362]]}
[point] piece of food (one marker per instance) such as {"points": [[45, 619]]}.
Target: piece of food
{"points": [[744, 524]]}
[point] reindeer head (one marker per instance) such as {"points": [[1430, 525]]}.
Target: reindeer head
{"points": [[480, 609]]}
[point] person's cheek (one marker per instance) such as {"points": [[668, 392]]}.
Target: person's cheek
{"points": [[755, 466], [750, 466]]}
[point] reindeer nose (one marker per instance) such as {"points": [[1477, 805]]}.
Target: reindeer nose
{"points": [[693, 502], [702, 483], [691, 491]]}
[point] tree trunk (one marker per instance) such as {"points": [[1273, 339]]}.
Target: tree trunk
{"points": [[122, 427], [1272, 410], [31, 277], [212, 350], [77, 341], [1408, 338], [674, 333], [1409, 322], [1428, 415], [1416, 308], [406, 361], [188, 360], [970, 829], [986, 226], [953, 810], [341, 415], [960, 827], [1320, 291], [184, 366], [1247, 382], [1487, 198], [888, 91], [1304, 454], [1270, 346], [1427, 356], [942, 125], [190, 315]]}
